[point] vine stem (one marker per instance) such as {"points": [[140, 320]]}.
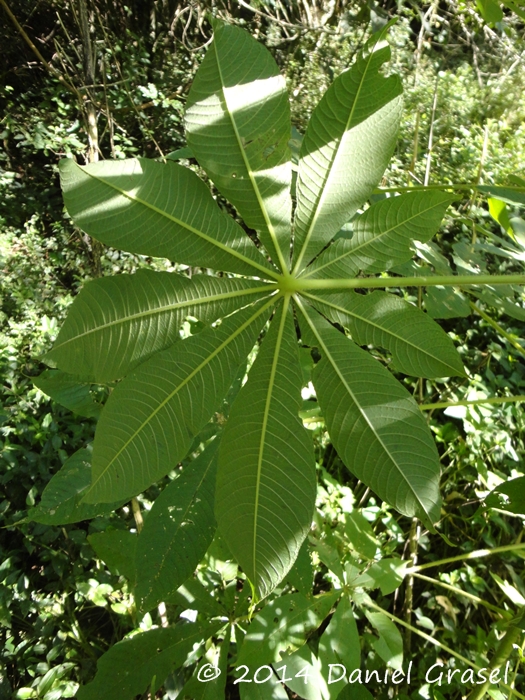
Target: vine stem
{"points": [[409, 584], [460, 592], [516, 669], [370, 604], [137, 515], [502, 654], [476, 554], [300, 284]]}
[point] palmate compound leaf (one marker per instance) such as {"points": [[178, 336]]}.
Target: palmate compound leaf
{"points": [[177, 532], [266, 459], [151, 418], [382, 235], [115, 323], [158, 209], [347, 145], [418, 345], [238, 127], [163, 209], [144, 662], [375, 425]]}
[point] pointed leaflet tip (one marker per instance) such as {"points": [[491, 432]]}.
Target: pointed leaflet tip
{"points": [[380, 35], [215, 22]]}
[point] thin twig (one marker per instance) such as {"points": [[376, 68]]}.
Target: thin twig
{"points": [[431, 136], [413, 540], [137, 515], [301, 27], [51, 69]]}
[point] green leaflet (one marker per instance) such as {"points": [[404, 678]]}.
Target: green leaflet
{"points": [[61, 499], [360, 535], [386, 574], [272, 690], [238, 126], [511, 193], [499, 212], [330, 556], [217, 658], [383, 234], [500, 300], [301, 575], [135, 665], [376, 426], [347, 145], [515, 7], [418, 345], [355, 692], [509, 496], [446, 302], [117, 549], [490, 10], [307, 681], [47, 686], [158, 209], [116, 323], [177, 532], [389, 646], [69, 390], [266, 458], [282, 625], [193, 595], [339, 643], [151, 417]]}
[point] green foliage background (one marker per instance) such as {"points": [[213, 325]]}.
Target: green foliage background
{"points": [[61, 606]]}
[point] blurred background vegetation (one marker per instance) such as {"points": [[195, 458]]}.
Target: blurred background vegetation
{"points": [[108, 79]]}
